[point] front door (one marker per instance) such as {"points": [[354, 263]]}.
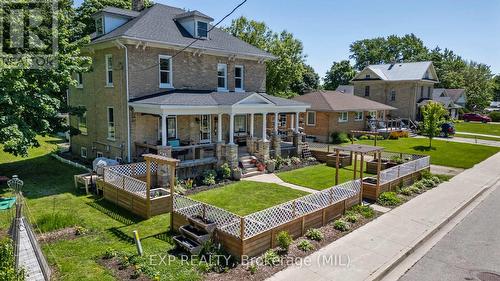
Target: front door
{"points": [[205, 129]]}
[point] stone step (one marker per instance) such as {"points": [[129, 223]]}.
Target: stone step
{"points": [[247, 158], [251, 174], [251, 169], [248, 166]]}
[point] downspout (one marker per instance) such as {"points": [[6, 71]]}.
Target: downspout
{"points": [[127, 93]]}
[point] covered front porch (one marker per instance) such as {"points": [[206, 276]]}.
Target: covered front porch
{"points": [[205, 136]]}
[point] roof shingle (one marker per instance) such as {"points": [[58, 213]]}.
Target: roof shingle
{"points": [[337, 101]]}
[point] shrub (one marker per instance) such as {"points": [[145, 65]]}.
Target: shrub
{"points": [[271, 258], [204, 267], [419, 185], [443, 178], [253, 268], [311, 159], [364, 137], [209, 177], [284, 240], [398, 134], [364, 210], [436, 180], [414, 189], [55, 221], [109, 253], [339, 137], [426, 174], [189, 183], [389, 199], [305, 246], [397, 159], [220, 260], [225, 171], [351, 216], [314, 234], [495, 116], [80, 230], [428, 183], [295, 160], [341, 225], [406, 191], [279, 162], [8, 269]]}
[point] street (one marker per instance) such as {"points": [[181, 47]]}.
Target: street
{"points": [[471, 251]]}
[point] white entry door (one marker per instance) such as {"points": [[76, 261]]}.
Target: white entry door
{"points": [[205, 128]]}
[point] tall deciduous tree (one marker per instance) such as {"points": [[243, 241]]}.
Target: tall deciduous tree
{"points": [[433, 115], [309, 82], [478, 85], [285, 71], [496, 87], [31, 100], [340, 73]]}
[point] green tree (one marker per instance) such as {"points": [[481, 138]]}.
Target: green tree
{"points": [[386, 50], [31, 100], [288, 67], [478, 85], [340, 73], [496, 87], [309, 82], [433, 115]]}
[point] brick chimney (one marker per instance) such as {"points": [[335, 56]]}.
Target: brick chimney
{"points": [[137, 5]]}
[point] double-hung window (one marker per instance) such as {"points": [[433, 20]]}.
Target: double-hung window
{"points": [[367, 91], [222, 77], [82, 124], [429, 92], [201, 29], [83, 152], [109, 70], [79, 80], [358, 116], [282, 120], [99, 26], [238, 78], [171, 127], [165, 71], [240, 123], [111, 123], [311, 118], [343, 116], [393, 95]]}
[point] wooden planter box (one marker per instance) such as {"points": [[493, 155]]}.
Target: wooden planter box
{"points": [[200, 223], [344, 160], [371, 166], [371, 192]]}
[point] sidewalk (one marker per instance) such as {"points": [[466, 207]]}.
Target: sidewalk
{"points": [[375, 247], [468, 140], [480, 135]]}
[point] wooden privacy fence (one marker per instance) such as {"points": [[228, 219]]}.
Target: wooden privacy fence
{"points": [[255, 233]]}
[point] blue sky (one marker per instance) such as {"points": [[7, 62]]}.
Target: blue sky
{"points": [[469, 27]]}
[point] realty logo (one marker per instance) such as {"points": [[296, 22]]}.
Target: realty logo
{"points": [[28, 34]]}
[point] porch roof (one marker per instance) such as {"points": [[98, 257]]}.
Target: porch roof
{"points": [[205, 102]]}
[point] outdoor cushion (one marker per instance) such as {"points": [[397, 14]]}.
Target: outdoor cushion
{"points": [[174, 143]]}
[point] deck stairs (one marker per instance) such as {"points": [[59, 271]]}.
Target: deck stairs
{"points": [[248, 163]]}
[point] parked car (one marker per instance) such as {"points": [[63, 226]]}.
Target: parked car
{"points": [[447, 129], [476, 117]]}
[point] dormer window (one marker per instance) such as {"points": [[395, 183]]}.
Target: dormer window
{"points": [[201, 29], [99, 26]]}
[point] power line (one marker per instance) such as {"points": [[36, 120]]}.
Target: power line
{"points": [[197, 39]]}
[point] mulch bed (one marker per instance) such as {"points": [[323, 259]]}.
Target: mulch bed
{"points": [[120, 272], [241, 272], [295, 167], [201, 188], [68, 233]]}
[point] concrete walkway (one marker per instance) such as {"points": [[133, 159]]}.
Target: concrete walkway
{"points": [[272, 178], [467, 140], [445, 170], [370, 251], [479, 135]]}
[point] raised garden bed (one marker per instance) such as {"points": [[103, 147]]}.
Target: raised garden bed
{"points": [[202, 223], [371, 166], [344, 160]]}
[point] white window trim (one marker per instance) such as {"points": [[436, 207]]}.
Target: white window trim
{"points": [[79, 81], [107, 70], [209, 140], [356, 116], [107, 123], [196, 29], [97, 154], [390, 95], [341, 119], [219, 89], [82, 150], [246, 123], [282, 122], [170, 76], [159, 126], [308, 123], [242, 89]]}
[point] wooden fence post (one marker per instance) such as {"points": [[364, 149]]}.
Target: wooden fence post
{"points": [[242, 229], [294, 207]]}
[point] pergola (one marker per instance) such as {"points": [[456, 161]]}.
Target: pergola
{"points": [[362, 150], [159, 160]]}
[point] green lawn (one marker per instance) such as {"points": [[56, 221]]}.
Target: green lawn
{"points": [[49, 189], [478, 128], [317, 177], [248, 197], [478, 137], [445, 153]]}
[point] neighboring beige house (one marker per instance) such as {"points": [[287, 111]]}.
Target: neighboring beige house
{"points": [[441, 95], [400, 85], [334, 111], [457, 96], [145, 92]]}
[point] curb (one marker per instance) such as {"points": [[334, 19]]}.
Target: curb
{"points": [[381, 273]]}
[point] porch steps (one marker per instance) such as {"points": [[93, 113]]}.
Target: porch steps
{"points": [[249, 167]]}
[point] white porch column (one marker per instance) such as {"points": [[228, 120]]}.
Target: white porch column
{"points": [[231, 128], [296, 122], [251, 125], [292, 122], [164, 130], [219, 128], [275, 123], [264, 125]]}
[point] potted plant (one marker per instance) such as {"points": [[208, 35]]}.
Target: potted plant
{"points": [[261, 167], [237, 174], [271, 165]]}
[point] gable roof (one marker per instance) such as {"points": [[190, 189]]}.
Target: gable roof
{"points": [[336, 101], [118, 11], [455, 94], [157, 24], [399, 71], [438, 93], [193, 14], [346, 89]]}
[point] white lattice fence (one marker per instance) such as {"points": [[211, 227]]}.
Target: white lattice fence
{"points": [[134, 169], [404, 169], [134, 186]]}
